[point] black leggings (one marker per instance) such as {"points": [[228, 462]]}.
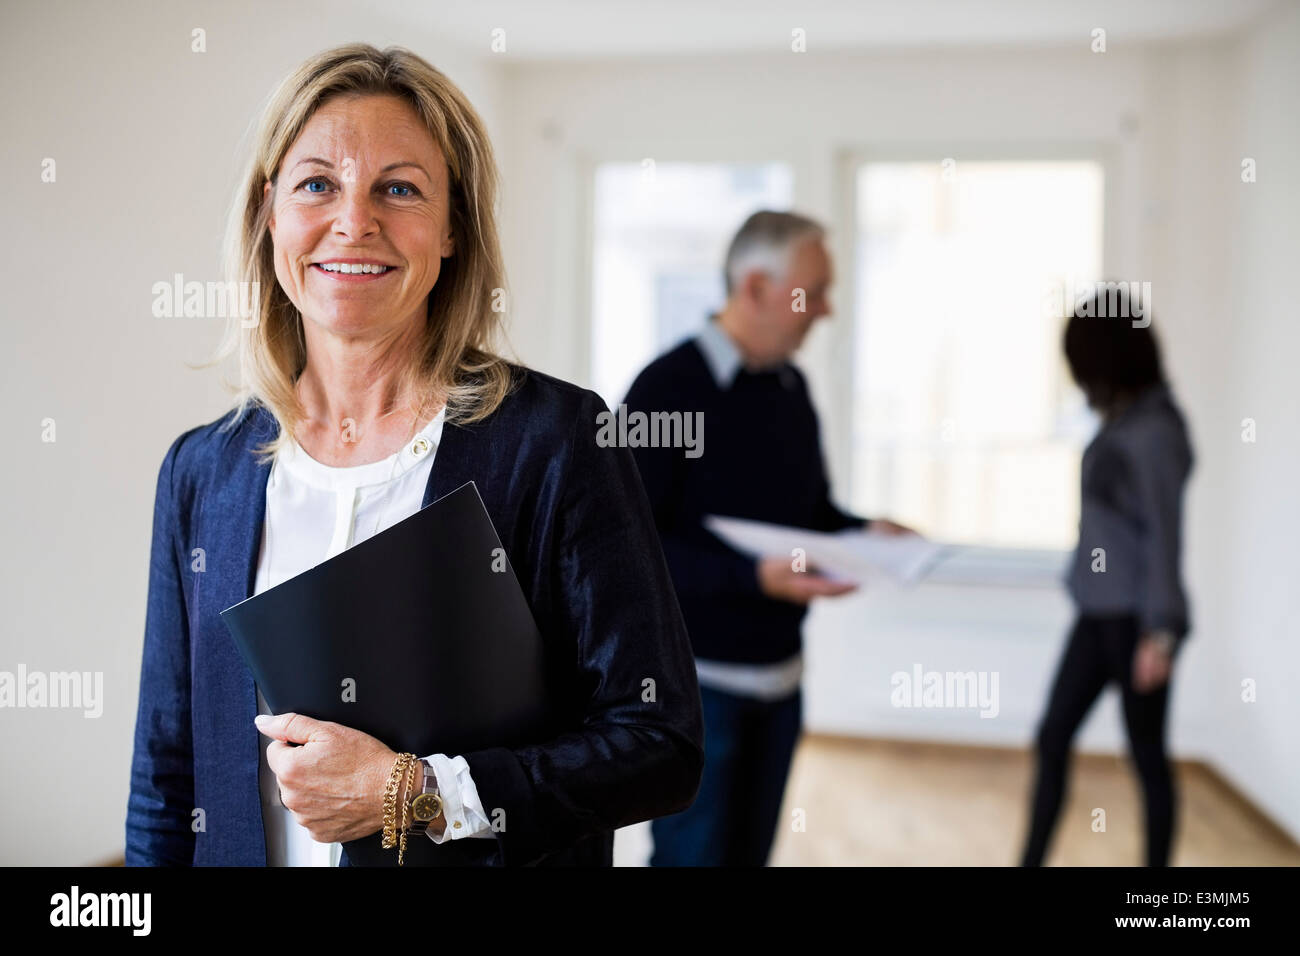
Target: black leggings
{"points": [[1101, 649]]}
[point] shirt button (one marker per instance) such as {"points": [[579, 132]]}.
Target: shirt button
{"points": [[456, 824], [421, 447]]}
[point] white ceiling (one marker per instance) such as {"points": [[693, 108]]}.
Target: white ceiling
{"points": [[582, 29]]}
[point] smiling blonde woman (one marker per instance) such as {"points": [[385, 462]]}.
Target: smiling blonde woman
{"points": [[369, 388]]}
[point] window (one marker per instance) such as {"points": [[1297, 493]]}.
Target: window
{"points": [[966, 423], [660, 238]]}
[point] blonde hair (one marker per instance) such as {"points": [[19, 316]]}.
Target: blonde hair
{"points": [[454, 355]]}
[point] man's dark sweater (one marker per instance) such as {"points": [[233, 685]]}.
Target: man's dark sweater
{"points": [[761, 460]]}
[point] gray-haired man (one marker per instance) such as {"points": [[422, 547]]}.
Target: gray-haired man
{"points": [[764, 462]]}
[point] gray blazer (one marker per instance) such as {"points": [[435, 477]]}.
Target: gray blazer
{"points": [[1130, 519]]}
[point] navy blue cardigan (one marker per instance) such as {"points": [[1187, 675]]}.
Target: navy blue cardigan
{"points": [[576, 526]]}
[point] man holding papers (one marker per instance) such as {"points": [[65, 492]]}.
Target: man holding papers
{"points": [[763, 462]]}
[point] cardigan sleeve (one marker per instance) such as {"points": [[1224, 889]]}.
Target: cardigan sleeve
{"points": [[161, 801], [638, 750], [1159, 466], [827, 516]]}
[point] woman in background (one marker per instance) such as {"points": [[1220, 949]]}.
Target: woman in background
{"points": [[1125, 579]]}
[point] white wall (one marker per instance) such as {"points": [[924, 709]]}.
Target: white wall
{"points": [[1255, 561], [147, 139]]}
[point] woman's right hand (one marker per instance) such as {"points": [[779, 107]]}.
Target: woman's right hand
{"points": [[777, 579], [1151, 664]]}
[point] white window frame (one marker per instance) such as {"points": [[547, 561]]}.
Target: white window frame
{"points": [[979, 567], [585, 165]]}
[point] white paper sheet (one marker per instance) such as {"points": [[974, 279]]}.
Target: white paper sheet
{"points": [[850, 555]]}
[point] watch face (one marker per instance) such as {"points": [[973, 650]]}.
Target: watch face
{"points": [[426, 806]]}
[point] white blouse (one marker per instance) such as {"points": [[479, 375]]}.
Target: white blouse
{"points": [[313, 512]]}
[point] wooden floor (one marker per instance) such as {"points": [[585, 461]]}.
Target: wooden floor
{"points": [[895, 803], [891, 803]]}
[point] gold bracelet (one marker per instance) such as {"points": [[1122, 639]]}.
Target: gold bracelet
{"points": [[413, 765], [390, 799], [390, 803]]}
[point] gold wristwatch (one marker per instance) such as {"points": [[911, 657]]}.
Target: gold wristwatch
{"points": [[427, 805]]}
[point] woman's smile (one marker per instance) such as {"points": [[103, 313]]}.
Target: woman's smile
{"points": [[352, 270]]}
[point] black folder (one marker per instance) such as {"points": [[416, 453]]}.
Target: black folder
{"points": [[419, 636]]}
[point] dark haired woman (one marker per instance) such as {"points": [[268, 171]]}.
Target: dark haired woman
{"points": [[1125, 580]]}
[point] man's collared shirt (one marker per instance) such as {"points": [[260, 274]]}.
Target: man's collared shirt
{"points": [[724, 358]]}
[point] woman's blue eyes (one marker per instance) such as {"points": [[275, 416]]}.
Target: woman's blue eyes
{"points": [[321, 181]]}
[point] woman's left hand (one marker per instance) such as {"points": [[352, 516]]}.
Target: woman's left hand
{"points": [[334, 782], [1151, 664]]}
